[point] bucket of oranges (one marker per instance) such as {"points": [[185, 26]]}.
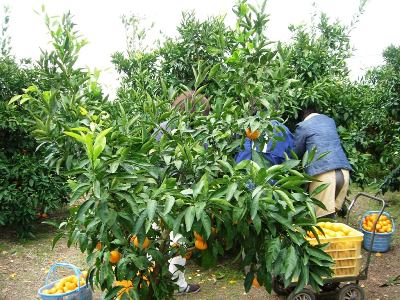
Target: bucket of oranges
{"points": [[71, 287], [384, 230]]}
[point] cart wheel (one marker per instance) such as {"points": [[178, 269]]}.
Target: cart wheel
{"points": [[351, 292], [304, 294], [330, 287], [279, 288]]}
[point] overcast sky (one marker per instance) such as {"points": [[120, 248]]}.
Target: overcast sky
{"points": [[100, 23]]}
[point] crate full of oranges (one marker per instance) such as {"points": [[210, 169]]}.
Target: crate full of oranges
{"points": [[344, 246]]}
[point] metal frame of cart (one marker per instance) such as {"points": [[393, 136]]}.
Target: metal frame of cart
{"points": [[350, 291]]}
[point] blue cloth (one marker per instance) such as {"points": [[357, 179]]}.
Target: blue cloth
{"points": [[320, 131], [275, 154]]}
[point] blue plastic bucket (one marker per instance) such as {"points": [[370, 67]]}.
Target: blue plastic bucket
{"points": [[80, 293], [382, 241]]}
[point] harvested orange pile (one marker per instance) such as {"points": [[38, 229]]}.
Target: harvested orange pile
{"points": [[331, 230], [66, 284], [384, 225]]}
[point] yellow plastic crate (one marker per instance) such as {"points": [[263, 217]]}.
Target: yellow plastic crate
{"points": [[345, 251]]}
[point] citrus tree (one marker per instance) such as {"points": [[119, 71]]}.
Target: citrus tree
{"points": [[130, 190], [28, 187]]}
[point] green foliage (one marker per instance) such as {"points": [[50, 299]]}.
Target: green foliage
{"points": [[5, 39], [382, 118], [27, 186], [124, 180], [27, 189]]}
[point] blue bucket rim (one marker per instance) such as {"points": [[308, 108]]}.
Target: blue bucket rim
{"points": [[368, 212], [48, 285]]}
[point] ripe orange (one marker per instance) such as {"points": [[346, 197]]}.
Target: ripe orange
{"points": [[99, 246], [200, 244], [252, 135], [255, 283], [115, 256], [145, 245], [197, 236]]}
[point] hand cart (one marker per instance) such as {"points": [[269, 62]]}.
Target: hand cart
{"points": [[351, 290]]}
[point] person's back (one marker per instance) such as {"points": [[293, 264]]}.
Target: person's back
{"points": [[274, 151], [320, 131]]}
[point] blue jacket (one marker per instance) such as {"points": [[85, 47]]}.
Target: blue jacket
{"points": [[320, 131], [275, 155]]}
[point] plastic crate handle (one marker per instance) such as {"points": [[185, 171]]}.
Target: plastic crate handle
{"points": [[76, 270]]}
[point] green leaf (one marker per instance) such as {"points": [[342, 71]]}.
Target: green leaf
{"points": [[151, 209], [187, 192], [169, 203], [215, 68], [96, 189], [248, 281], [79, 191], [319, 189], [199, 207], [56, 239], [189, 217], [311, 209], [140, 221], [285, 197], [257, 224], [232, 187], [226, 166], [304, 161], [76, 136], [255, 203], [303, 278], [273, 249], [177, 223], [201, 186], [83, 209], [206, 221], [290, 262], [285, 222], [318, 253], [98, 147]]}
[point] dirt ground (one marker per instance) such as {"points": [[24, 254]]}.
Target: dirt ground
{"points": [[24, 265]]}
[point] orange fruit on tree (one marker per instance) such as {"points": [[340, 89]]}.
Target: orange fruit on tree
{"points": [[200, 244], [99, 246], [197, 236], [145, 245], [252, 135], [255, 283], [115, 256]]}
